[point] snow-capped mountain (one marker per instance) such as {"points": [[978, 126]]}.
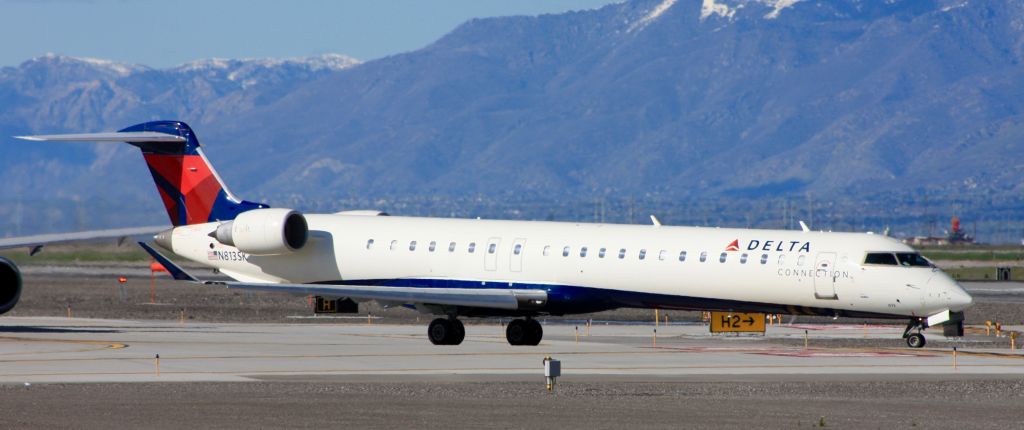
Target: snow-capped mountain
{"points": [[687, 99]]}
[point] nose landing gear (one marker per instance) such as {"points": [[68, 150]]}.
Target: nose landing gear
{"points": [[915, 340]]}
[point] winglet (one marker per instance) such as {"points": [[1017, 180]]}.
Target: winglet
{"points": [[175, 271]]}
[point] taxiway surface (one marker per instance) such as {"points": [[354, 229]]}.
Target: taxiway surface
{"points": [[38, 349]]}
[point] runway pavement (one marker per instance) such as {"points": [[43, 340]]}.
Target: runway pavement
{"points": [[37, 349]]}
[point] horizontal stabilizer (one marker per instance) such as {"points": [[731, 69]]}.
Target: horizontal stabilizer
{"points": [[78, 236], [120, 136]]}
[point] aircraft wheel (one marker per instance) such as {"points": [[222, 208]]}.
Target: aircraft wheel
{"points": [[536, 332], [441, 331], [458, 334], [915, 340], [517, 332]]}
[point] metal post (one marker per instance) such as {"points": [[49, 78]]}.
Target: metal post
{"points": [[805, 339]]}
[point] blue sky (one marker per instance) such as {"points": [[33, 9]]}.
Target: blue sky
{"points": [[168, 33]]}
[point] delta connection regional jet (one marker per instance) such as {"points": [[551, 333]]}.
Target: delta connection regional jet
{"points": [[455, 268]]}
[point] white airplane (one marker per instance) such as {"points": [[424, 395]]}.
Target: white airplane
{"points": [[523, 269]]}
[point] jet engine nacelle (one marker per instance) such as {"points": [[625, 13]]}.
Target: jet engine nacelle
{"points": [[10, 285], [265, 231]]}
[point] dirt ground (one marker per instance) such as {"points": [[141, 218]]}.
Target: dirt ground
{"points": [[98, 294], [883, 403]]}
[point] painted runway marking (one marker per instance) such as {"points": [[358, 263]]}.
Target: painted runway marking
{"points": [[842, 354]]}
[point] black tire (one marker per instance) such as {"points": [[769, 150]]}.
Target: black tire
{"points": [[440, 331], [916, 340], [536, 332], [458, 334], [517, 332]]}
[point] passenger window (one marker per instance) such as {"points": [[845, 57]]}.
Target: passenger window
{"points": [[721, 258], [662, 255], [433, 246], [472, 247], [703, 256], [643, 254], [369, 244], [565, 251], [743, 258], [412, 245], [764, 258], [622, 253], [882, 258], [600, 253], [491, 248], [583, 251], [451, 247], [782, 259], [547, 250], [518, 249], [394, 244], [800, 260], [682, 256]]}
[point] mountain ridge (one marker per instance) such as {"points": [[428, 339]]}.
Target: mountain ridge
{"points": [[740, 99]]}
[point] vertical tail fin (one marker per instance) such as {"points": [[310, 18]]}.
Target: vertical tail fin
{"points": [[190, 188]]}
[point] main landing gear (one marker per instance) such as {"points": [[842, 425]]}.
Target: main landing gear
{"points": [[450, 331], [915, 340], [524, 332], [446, 331]]}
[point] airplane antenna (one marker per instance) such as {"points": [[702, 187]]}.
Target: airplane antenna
{"points": [[654, 220], [803, 226]]}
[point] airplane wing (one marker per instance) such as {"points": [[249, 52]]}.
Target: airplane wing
{"points": [[36, 242], [471, 297]]}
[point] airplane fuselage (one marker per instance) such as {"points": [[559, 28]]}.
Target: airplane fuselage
{"points": [[592, 267]]}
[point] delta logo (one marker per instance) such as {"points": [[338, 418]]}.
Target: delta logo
{"points": [[771, 245]]}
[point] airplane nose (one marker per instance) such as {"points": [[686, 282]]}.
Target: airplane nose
{"points": [[959, 299]]}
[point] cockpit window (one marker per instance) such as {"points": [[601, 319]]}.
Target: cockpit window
{"points": [[883, 258], [912, 259]]}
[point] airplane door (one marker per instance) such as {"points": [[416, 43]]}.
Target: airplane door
{"points": [[491, 254], [516, 258], [824, 279]]}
